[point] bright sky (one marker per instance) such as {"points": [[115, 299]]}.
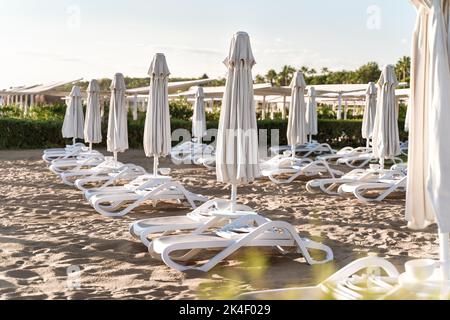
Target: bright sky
{"points": [[52, 40]]}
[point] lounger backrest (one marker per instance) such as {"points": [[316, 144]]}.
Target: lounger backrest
{"points": [[241, 228], [236, 234]]}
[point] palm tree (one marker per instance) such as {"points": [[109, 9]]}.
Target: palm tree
{"points": [[271, 76], [312, 72], [260, 79], [304, 69], [286, 75], [403, 69], [325, 70]]}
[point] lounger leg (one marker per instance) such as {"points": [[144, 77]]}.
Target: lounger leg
{"points": [[361, 189]]}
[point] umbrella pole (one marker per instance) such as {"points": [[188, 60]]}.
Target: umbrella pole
{"points": [[74, 141], [445, 255], [233, 197], [90, 146], [155, 166], [382, 163], [200, 148], [115, 156], [293, 151]]}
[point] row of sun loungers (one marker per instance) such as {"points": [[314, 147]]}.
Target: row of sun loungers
{"points": [[114, 189], [366, 185]]}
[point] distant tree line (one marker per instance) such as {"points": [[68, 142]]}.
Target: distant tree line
{"points": [[368, 72]]}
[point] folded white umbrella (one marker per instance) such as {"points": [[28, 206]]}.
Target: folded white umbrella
{"points": [[117, 139], [93, 123], [135, 108], [297, 130], [370, 111], [311, 114], [74, 118], [428, 193], [237, 138], [386, 141], [408, 116], [157, 134], [199, 117]]}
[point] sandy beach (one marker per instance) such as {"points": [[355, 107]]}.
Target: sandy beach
{"points": [[46, 229]]}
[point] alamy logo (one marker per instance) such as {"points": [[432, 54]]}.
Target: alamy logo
{"points": [[73, 17], [374, 17]]}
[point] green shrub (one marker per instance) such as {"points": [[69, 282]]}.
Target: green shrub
{"points": [[213, 116], [30, 134], [324, 112], [53, 112], [337, 133], [181, 109]]}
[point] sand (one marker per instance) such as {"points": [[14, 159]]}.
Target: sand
{"points": [[48, 231]]}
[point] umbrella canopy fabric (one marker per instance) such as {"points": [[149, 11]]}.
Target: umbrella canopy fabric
{"points": [[370, 111], [74, 119], [135, 108], [237, 138], [117, 139], [311, 113], [199, 117], [428, 193], [408, 117], [157, 133], [386, 141], [93, 123], [297, 127]]}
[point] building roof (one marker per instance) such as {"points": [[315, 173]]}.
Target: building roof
{"points": [[174, 87], [39, 89]]}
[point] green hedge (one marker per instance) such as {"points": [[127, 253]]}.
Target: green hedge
{"points": [[337, 133], [31, 134]]}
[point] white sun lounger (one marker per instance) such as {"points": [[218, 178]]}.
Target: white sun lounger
{"points": [[305, 151], [124, 188], [344, 153], [69, 153], [66, 149], [100, 181], [131, 186], [363, 160], [404, 146], [368, 277], [295, 168], [382, 188], [402, 167], [208, 161], [119, 201], [81, 162], [101, 173], [190, 152], [248, 231], [331, 186], [212, 214]]}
